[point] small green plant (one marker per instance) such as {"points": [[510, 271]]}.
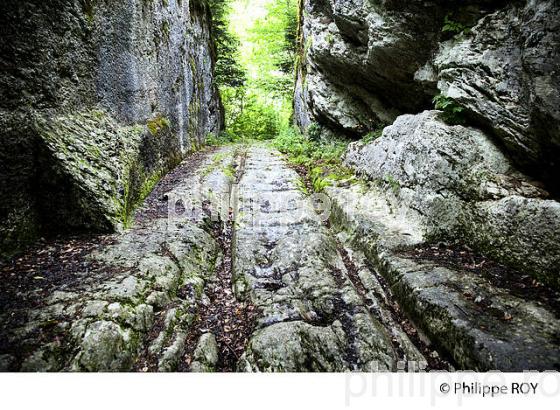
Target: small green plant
{"points": [[89, 11], [329, 38], [313, 132], [229, 171], [453, 27], [300, 183], [99, 114], [318, 179], [223, 138], [452, 112], [373, 135], [393, 183], [320, 159]]}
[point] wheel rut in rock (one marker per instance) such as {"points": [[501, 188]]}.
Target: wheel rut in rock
{"points": [[288, 264], [222, 317], [228, 268]]}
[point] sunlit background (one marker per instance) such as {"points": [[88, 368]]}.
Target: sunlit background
{"points": [[256, 66]]}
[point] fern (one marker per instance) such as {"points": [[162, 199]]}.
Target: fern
{"points": [[453, 27], [452, 112]]}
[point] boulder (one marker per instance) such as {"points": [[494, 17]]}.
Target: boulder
{"points": [[457, 184], [504, 73]]}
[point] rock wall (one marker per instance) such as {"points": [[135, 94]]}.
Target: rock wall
{"points": [[100, 98], [365, 62], [455, 183], [493, 66]]}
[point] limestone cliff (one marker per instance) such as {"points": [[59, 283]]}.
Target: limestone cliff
{"points": [[99, 99], [483, 171], [365, 62]]}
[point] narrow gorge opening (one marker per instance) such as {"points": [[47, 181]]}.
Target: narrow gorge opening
{"points": [[256, 53]]}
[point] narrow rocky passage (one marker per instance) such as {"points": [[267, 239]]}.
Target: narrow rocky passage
{"points": [[230, 266], [236, 272]]}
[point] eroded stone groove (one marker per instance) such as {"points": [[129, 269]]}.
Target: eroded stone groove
{"points": [[287, 263], [478, 323], [381, 303], [221, 315]]}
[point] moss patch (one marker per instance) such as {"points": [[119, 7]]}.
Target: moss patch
{"points": [[157, 124]]}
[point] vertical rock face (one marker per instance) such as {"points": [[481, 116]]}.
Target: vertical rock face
{"points": [[494, 67], [360, 58], [100, 97], [365, 62]]}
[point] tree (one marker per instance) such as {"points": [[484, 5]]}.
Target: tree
{"points": [[229, 71]]}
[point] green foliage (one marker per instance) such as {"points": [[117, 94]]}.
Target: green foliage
{"points": [[275, 40], [222, 138], [313, 131], [321, 159], [255, 64], [249, 118], [228, 71], [318, 179], [452, 112], [373, 135], [453, 27], [256, 121], [229, 171], [158, 124], [165, 29], [302, 187]]}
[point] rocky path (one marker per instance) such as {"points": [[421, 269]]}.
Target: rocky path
{"points": [[288, 264], [230, 267]]}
